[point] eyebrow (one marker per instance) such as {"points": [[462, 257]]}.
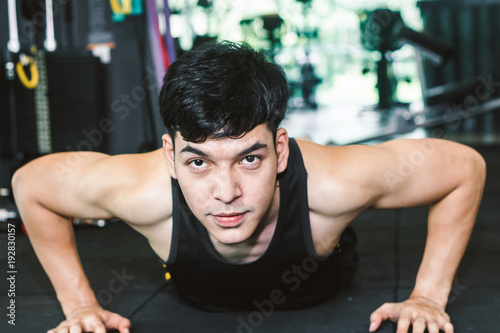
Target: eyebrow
{"points": [[193, 150], [252, 148]]}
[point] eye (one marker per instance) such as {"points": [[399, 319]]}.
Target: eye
{"points": [[197, 164], [250, 160]]}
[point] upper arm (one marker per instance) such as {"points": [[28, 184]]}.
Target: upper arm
{"points": [[395, 174], [65, 183], [421, 172], [95, 185]]}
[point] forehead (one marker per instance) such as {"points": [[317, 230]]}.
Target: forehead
{"points": [[260, 134]]}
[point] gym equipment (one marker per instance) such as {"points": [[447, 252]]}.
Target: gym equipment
{"points": [[50, 40], [156, 18], [384, 31], [90, 222], [8, 210], [38, 70], [308, 79], [170, 43], [30, 61], [407, 122], [272, 24], [121, 7], [13, 44], [13, 47], [124, 8], [42, 108], [100, 37]]}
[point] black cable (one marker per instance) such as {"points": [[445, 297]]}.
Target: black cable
{"points": [[146, 301], [13, 124]]}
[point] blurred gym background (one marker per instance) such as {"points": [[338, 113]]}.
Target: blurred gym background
{"points": [[84, 75]]}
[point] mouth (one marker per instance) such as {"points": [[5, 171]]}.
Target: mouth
{"points": [[229, 220]]}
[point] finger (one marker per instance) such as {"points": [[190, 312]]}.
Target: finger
{"points": [[433, 327], [418, 325], [376, 319], [113, 320], [124, 330], [59, 329], [124, 326], [403, 324], [448, 328], [386, 311], [445, 324], [374, 325], [93, 323], [96, 327], [54, 330], [75, 329]]}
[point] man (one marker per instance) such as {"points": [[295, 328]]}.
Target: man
{"points": [[231, 204]]}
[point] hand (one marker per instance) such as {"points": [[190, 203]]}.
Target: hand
{"points": [[92, 318], [418, 311]]}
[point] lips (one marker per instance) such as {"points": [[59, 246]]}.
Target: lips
{"points": [[229, 220]]}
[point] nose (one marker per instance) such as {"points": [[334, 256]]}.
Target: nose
{"points": [[226, 187]]}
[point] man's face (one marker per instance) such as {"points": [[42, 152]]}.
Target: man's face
{"points": [[230, 184]]}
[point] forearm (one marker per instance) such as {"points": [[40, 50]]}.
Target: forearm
{"points": [[450, 225], [53, 240]]}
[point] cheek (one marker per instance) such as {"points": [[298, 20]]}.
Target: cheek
{"points": [[260, 189], [194, 192]]}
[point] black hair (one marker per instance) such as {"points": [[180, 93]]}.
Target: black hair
{"points": [[222, 90]]}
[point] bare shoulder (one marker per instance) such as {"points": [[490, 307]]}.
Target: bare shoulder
{"points": [[348, 179], [133, 187], [338, 177], [140, 195], [137, 187]]}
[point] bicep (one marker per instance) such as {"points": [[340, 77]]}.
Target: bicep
{"points": [[419, 172], [64, 184]]}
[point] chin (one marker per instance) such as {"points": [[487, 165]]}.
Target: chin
{"points": [[232, 237]]}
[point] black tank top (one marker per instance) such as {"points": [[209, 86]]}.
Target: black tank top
{"points": [[289, 274]]}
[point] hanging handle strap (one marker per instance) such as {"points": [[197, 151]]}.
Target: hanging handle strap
{"points": [[25, 60]]}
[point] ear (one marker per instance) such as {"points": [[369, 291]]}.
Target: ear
{"points": [[168, 148], [282, 149]]}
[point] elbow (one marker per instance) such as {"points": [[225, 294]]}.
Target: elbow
{"points": [[17, 184], [480, 168], [16, 180], [476, 171]]}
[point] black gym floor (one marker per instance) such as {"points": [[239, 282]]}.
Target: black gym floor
{"points": [[391, 244]]}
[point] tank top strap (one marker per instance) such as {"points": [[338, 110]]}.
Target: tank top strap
{"points": [[295, 161]]}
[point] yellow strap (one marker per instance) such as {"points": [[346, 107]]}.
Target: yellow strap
{"points": [[125, 8], [30, 84]]}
